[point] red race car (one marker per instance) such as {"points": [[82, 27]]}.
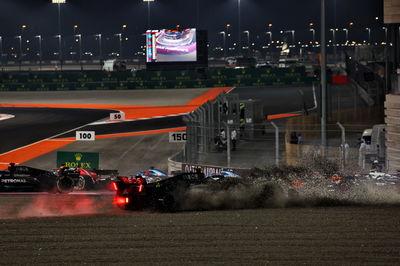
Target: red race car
{"points": [[84, 179]]}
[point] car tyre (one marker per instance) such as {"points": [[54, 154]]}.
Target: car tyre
{"points": [[65, 184]]}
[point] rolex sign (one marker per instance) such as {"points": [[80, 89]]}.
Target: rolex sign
{"points": [[78, 159]]}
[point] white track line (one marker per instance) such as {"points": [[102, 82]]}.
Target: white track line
{"points": [[49, 138], [6, 116], [138, 119]]}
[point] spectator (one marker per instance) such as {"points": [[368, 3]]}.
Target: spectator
{"points": [[293, 138], [345, 153], [234, 138], [361, 153], [223, 136], [199, 174], [299, 139]]}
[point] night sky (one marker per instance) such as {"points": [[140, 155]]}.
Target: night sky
{"points": [[94, 16], [107, 17]]}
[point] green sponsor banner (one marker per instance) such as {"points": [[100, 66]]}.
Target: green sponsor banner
{"points": [[78, 159]]}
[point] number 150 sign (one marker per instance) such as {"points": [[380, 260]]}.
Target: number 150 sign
{"points": [[177, 137]]}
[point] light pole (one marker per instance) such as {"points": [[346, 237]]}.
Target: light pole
{"points": [[148, 13], [347, 35], [387, 71], [228, 34], [313, 36], [224, 42], [1, 50], [292, 32], [351, 24], [19, 37], [40, 50], [59, 49], [269, 32], [75, 27], [59, 2], [369, 35], [80, 46], [270, 36], [100, 49], [239, 30], [23, 28], [386, 34], [293, 37], [248, 41], [124, 28], [120, 43], [334, 43], [323, 79]]}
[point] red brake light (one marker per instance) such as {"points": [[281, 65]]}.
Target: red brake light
{"points": [[114, 186], [121, 200], [140, 187]]}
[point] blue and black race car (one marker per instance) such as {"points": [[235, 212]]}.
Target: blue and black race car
{"points": [[172, 193], [225, 174], [143, 191]]}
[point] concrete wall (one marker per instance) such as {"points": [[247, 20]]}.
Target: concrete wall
{"points": [[392, 120]]}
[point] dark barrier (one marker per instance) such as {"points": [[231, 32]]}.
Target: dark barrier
{"points": [[127, 80]]}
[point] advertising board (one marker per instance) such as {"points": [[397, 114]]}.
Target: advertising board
{"points": [[171, 45]]}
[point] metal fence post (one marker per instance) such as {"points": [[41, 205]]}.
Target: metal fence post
{"points": [[343, 146], [212, 121], [202, 123], [186, 119], [276, 143], [195, 147], [228, 145], [209, 125]]}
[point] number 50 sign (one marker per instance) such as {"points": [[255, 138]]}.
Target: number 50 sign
{"points": [[117, 116], [177, 136]]}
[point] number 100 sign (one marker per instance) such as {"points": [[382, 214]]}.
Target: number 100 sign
{"points": [[85, 135], [177, 137]]}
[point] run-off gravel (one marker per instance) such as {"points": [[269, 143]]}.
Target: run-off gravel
{"points": [[334, 235]]}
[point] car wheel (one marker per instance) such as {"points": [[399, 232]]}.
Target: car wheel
{"points": [[81, 184], [168, 203], [65, 184]]}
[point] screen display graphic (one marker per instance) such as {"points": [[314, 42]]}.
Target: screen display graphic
{"points": [[171, 46]]}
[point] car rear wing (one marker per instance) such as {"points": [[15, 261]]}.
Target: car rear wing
{"points": [[106, 172]]}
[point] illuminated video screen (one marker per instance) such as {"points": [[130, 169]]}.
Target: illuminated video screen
{"points": [[171, 46]]}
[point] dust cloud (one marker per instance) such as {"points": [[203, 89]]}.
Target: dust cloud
{"points": [[21, 207]]}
